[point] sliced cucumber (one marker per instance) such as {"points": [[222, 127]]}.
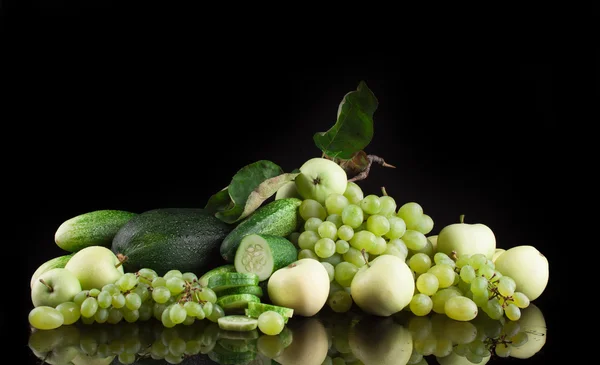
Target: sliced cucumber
{"points": [[255, 313], [203, 280], [263, 307], [235, 302], [222, 356], [227, 280], [263, 254], [248, 289], [237, 345], [236, 335], [237, 322]]}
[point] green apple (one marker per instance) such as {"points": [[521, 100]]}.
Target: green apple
{"points": [[53, 287], [467, 239], [303, 286], [533, 323], [527, 267], [383, 286], [380, 341], [497, 253], [310, 342], [95, 266], [320, 177], [288, 190]]}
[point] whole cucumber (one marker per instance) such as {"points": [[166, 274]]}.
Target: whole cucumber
{"points": [[96, 228]]}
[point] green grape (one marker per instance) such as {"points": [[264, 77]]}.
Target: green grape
{"points": [[165, 317], [307, 254], [194, 309], [114, 315], [118, 301], [312, 224], [126, 358], [427, 284], [473, 358], [341, 246], [161, 294], [340, 301], [345, 232], [344, 273], [334, 259], [479, 285], [207, 295], [444, 273], [442, 258], [293, 237], [414, 240], [270, 323], [460, 308], [411, 213], [397, 227], [208, 307], [378, 224], [173, 273], [133, 301], [70, 312], [45, 318], [112, 289], [352, 216], [370, 204], [419, 263], [509, 329], [86, 320], [193, 347], [512, 312], [175, 285], [176, 346], [379, 247], [307, 240], [216, 313], [157, 309], [481, 299], [424, 225], [485, 271], [89, 307], [441, 296], [421, 304], [131, 316], [312, 208], [478, 348], [159, 281], [400, 245], [467, 274], [145, 310], [353, 193], [477, 260], [104, 299], [335, 203], [520, 299], [443, 347], [462, 261], [325, 247], [387, 205], [363, 240], [327, 229], [494, 309], [506, 286], [146, 275], [189, 277], [127, 281], [355, 257], [270, 346], [330, 270], [142, 290], [177, 313], [80, 297], [415, 358], [94, 292], [519, 339], [502, 349]]}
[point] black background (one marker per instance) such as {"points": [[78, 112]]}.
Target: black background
{"points": [[144, 119]]}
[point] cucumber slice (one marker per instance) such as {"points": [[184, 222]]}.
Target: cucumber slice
{"points": [[236, 301], [223, 356], [248, 289], [236, 335], [203, 280], [231, 279], [237, 322], [263, 254], [255, 313], [237, 345], [263, 307]]}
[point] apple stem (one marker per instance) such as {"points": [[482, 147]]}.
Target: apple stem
{"points": [[384, 191], [453, 255], [462, 218], [48, 286], [292, 265], [122, 258], [364, 255]]}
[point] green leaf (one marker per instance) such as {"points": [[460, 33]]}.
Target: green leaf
{"points": [[353, 129], [264, 191], [230, 203]]}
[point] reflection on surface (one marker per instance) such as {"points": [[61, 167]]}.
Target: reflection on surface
{"points": [[327, 338]]}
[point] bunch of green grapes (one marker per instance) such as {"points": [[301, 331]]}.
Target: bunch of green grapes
{"points": [[350, 229]]}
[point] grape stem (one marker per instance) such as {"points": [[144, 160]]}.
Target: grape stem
{"points": [[383, 191], [371, 158], [47, 285], [364, 255]]}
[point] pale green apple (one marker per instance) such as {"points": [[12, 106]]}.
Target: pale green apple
{"points": [[527, 266], [533, 323], [383, 286], [309, 345], [53, 287], [95, 266], [497, 253], [303, 286], [380, 341], [288, 190], [320, 177], [467, 239]]}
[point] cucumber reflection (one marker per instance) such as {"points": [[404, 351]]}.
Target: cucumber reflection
{"points": [[328, 338]]}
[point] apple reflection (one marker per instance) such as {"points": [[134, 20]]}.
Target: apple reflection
{"points": [[328, 338]]}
